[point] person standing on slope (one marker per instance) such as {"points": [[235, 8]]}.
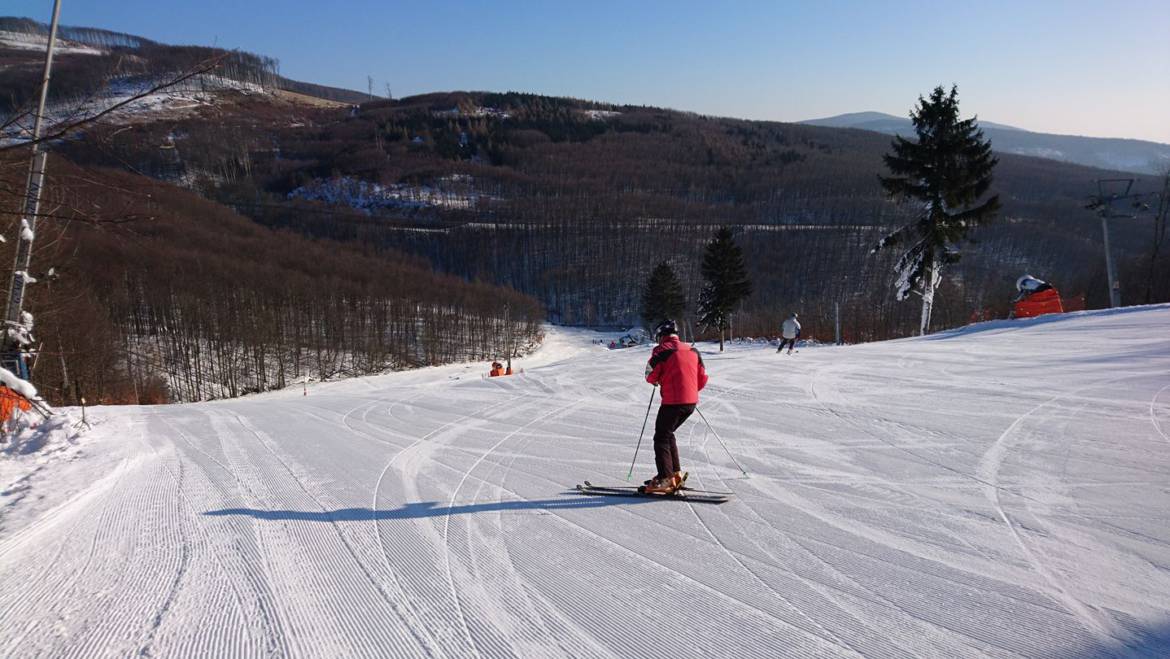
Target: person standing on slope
{"points": [[789, 332], [678, 368]]}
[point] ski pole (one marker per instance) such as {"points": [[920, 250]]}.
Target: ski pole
{"points": [[640, 435], [720, 440]]}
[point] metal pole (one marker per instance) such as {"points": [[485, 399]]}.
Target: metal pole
{"points": [[32, 201], [1114, 285], [508, 339], [1103, 203], [837, 313], [644, 421], [720, 440]]}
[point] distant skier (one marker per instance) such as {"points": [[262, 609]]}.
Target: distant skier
{"points": [[678, 368], [789, 333]]}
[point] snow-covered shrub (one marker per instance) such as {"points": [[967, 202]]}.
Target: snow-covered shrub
{"points": [[30, 432]]}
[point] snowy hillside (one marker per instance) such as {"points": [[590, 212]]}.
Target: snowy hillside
{"points": [[39, 42], [1000, 491]]}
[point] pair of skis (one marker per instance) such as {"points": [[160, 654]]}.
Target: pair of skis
{"points": [[682, 494]]}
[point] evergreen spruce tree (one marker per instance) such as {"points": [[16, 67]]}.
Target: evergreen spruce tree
{"points": [[944, 173], [663, 298], [726, 282]]}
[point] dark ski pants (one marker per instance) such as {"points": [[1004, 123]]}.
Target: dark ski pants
{"points": [[791, 344], [670, 417]]}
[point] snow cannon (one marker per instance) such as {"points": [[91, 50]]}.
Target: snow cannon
{"points": [[1036, 297]]}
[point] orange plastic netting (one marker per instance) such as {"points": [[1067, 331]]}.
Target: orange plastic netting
{"points": [[10, 401]]}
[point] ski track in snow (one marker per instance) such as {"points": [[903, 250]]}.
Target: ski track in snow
{"points": [[999, 491], [828, 635], [1154, 416], [989, 468], [451, 507]]}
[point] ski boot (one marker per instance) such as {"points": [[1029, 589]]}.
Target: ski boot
{"points": [[664, 486]]}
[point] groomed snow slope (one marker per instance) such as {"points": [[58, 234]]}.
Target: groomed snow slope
{"points": [[999, 491]]}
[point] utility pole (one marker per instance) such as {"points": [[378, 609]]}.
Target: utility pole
{"points": [[32, 204]]}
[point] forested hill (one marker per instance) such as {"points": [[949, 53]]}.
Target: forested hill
{"points": [[142, 291], [87, 60], [148, 293], [575, 202]]}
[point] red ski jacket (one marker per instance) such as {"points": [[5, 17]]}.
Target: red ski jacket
{"points": [[678, 367]]}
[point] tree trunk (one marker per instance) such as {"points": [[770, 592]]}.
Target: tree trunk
{"points": [[720, 339], [930, 281]]}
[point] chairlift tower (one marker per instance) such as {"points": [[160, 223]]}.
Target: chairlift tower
{"points": [[1110, 191], [12, 354]]}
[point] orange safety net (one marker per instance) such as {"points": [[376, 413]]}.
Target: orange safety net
{"points": [[1074, 303], [10, 401], [1038, 304]]}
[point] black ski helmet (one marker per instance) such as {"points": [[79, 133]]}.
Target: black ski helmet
{"points": [[665, 328]]}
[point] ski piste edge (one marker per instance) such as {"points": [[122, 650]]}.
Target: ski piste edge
{"points": [[684, 488], [633, 493]]}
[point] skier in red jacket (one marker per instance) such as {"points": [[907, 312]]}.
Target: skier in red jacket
{"points": [[678, 368]]}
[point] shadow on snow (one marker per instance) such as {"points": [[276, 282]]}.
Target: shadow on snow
{"points": [[420, 509], [1147, 641]]}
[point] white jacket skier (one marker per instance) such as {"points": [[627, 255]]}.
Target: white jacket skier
{"points": [[791, 328], [788, 333]]}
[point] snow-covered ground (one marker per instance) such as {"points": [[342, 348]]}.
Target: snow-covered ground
{"points": [[999, 491], [451, 192], [39, 42]]}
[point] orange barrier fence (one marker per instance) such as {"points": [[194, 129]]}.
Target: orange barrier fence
{"points": [[10, 401]]}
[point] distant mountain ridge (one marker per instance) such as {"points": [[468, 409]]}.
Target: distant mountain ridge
{"points": [[1138, 156]]}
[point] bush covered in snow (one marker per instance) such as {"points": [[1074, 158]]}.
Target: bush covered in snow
{"points": [[30, 432]]}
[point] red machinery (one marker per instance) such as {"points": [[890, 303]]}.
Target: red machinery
{"points": [[1036, 298]]}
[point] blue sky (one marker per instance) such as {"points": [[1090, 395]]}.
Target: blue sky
{"points": [[1078, 67]]}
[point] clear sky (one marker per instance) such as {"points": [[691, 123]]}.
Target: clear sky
{"points": [[1061, 66]]}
